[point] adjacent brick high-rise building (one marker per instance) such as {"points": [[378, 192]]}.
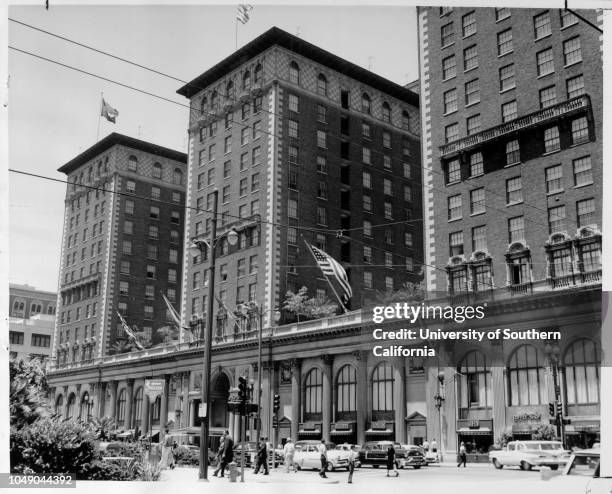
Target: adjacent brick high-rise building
{"points": [[512, 145], [301, 146], [513, 148], [122, 245]]}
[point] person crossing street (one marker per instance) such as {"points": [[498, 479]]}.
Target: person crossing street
{"points": [[289, 452], [323, 453], [262, 458]]}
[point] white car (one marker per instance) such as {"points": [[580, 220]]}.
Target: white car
{"points": [[582, 474], [529, 454], [348, 447], [307, 457]]}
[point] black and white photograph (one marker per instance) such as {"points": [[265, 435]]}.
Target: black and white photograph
{"points": [[305, 246]]}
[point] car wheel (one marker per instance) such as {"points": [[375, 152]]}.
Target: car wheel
{"points": [[554, 467], [375, 466], [497, 464], [329, 467], [525, 465], [416, 467], [398, 465], [299, 467]]}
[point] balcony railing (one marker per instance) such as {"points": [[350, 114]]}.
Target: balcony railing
{"points": [[521, 289], [591, 277], [562, 281], [552, 112], [90, 278]]}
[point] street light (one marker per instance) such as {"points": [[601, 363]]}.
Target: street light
{"points": [[196, 248], [553, 352], [439, 402]]}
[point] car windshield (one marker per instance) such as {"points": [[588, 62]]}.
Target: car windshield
{"points": [[552, 446], [584, 466]]}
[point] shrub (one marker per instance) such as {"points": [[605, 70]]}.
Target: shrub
{"points": [[28, 385], [185, 456], [104, 470], [52, 446]]}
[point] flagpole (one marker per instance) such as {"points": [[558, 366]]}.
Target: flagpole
{"points": [[327, 279], [100, 115], [236, 31]]}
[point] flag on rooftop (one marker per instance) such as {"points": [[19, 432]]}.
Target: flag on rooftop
{"points": [[108, 112], [242, 14], [129, 332], [330, 267]]}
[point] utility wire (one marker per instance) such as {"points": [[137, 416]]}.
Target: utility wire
{"points": [[283, 117]]}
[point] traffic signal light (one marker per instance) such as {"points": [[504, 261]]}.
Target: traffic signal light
{"points": [[551, 409], [276, 403], [242, 389], [559, 409]]}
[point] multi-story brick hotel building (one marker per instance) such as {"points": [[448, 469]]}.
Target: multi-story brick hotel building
{"points": [[512, 151], [124, 195], [302, 146]]}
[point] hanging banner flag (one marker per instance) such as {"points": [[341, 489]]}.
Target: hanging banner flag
{"points": [[242, 13], [108, 112]]}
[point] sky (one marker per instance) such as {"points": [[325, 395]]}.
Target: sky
{"points": [[53, 111]]}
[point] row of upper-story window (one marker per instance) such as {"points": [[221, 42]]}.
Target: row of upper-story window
{"points": [[320, 240], [295, 77], [154, 212], [148, 313], [131, 187], [151, 272], [208, 156], [152, 231], [88, 198], [542, 27], [581, 261], [586, 215], [39, 340], [79, 293], [551, 143], [82, 312], [95, 249], [156, 170], [72, 276], [244, 293], [212, 101], [322, 215], [68, 335], [152, 251], [87, 177], [547, 95], [554, 182], [98, 210], [200, 279], [18, 308]]}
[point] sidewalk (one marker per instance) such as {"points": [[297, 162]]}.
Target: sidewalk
{"points": [[190, 475]]}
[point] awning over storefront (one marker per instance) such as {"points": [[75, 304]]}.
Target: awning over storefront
{"points": [[374, 432], [483, 431], [309, 432]]}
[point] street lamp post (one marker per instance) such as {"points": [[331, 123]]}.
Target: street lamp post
{"points": [[439, 402], [553, 352], [196, 248]]}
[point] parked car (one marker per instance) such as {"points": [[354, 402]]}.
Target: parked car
{"points": [[375, 453], [414, 456], [250, 450], [529, 454], [582, 474], [307, 456], [430, 457]]}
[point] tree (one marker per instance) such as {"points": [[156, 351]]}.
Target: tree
{"points": [[27, 389], [102, 427], [545, 432], [308, 307], [410, 292]]}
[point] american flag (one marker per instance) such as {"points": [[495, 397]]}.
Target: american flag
{"points": [[175, 317], [129, 332], [331, 267], [242, 14]]}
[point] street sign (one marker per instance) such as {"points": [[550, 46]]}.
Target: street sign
{"points": [[202, 410], [153, 387]]}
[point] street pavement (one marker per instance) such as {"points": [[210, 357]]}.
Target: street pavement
{"points": [[434, 479]]}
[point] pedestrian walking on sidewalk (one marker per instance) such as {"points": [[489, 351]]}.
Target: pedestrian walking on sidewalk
{"points": [[289, 452], [391, 466], [262, 458], [352, 456], [323, 453], [227, 455], [462, 455]]}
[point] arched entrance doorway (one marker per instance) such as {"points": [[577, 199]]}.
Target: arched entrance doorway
{"points": [[218, 402]]}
